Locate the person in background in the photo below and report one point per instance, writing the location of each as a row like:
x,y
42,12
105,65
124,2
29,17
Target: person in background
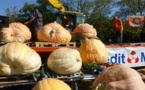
x,y
38,23
117,23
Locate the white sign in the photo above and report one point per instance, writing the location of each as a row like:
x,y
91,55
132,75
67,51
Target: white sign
x,y
129,56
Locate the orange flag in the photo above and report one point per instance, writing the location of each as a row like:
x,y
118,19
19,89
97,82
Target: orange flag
x,y
136,21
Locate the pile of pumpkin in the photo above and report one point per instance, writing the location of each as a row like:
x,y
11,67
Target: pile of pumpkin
x,y
18,59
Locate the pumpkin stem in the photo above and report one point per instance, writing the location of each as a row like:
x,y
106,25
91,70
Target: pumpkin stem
x,y
52,31
12,35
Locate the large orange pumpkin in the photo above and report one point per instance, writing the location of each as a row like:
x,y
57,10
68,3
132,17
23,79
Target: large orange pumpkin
x,y
53,32
86,30
16,32
93,49
51,84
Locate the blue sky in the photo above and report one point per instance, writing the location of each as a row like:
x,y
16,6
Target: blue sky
x,y
4,4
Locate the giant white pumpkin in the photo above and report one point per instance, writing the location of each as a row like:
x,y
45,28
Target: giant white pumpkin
x,y
18,59
64,61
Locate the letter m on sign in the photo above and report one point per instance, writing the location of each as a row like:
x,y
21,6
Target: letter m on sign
x,y
142,57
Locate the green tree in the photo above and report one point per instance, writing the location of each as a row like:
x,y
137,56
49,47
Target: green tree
x,y
130,7
91,8
12,13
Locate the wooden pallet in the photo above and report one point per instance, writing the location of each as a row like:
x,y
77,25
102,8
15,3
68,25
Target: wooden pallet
x,y
69,44
51,44
47,44
44,44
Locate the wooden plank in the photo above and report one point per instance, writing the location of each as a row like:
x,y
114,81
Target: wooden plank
x,y
6,80
67,44
9,82
44,44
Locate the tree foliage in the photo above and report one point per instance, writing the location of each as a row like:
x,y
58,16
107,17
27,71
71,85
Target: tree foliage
x,y
12,13
26,13
91,8
130,7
